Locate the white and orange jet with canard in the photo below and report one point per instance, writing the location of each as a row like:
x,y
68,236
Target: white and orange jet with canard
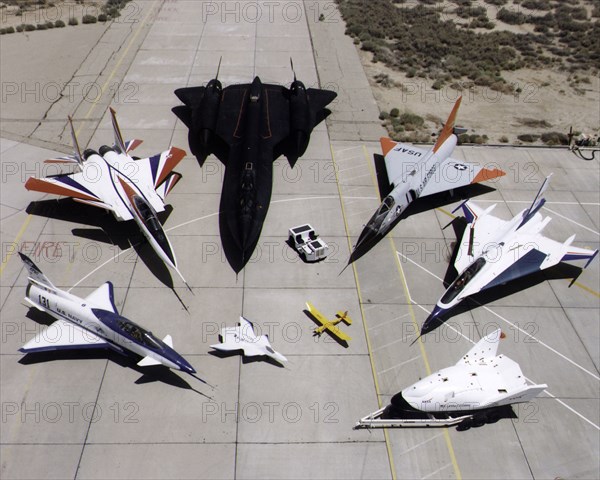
x,y
130,188
414,172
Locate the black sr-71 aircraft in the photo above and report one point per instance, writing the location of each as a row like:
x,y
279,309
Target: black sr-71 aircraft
x,y
247,127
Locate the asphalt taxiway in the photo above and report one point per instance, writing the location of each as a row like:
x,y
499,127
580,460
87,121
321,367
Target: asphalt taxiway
x,y
96,415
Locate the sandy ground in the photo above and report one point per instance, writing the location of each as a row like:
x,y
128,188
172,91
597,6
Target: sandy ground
x,y
545,95
59,10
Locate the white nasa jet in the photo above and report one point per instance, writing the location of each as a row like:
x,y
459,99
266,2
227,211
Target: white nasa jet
x,y
244,338
93,322
479,383
494,251
129,188
414,172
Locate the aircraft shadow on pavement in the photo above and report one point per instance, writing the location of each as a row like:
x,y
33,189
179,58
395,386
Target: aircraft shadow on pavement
x,y
246,360
424,204
106,229
343,343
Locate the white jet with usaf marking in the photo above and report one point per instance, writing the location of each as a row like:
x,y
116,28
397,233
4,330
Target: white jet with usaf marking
x,y
414,172
494,251
132,189
93,322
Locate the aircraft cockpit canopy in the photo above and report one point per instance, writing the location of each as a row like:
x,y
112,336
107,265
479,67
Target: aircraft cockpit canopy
x,y
386,205
460,283
147,213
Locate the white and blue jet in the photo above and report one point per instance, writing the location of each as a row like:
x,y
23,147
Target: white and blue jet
x,y
93,322
129,188
494,251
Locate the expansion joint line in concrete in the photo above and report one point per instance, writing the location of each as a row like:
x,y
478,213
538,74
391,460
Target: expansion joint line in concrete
x,y
118,64
362,314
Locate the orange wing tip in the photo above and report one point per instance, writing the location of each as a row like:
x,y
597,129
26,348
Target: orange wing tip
x,y
173,158
38,185
134,144
486,174
387,144
61,161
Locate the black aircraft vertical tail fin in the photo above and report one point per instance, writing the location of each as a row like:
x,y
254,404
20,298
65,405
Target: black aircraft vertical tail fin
x,y
383,181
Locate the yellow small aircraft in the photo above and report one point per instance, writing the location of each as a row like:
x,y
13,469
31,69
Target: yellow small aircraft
x,y
330,325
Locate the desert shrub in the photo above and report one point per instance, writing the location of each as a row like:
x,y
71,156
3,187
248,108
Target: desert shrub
x,y
528,137
49,25
29,27
512,18
89,19
2,31
383,115
102,17
41,26
555,138
497,3
394,112
20,28
73,21
537,4
503,139
59,24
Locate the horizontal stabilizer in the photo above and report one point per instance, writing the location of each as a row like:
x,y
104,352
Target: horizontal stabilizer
x,y
148,361
69,160
165,187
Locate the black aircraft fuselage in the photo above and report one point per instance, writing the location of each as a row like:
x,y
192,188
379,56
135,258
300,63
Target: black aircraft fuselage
x,y
247,127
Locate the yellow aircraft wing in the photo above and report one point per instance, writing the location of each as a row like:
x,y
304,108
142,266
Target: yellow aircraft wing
x,y
319,317
339,334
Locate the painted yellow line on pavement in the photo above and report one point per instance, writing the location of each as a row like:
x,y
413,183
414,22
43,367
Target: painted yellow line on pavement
x,y
15,243
447,438
362,313
587,289
93,106
118,64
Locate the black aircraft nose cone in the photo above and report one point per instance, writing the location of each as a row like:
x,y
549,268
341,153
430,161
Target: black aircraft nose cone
x,y
435,319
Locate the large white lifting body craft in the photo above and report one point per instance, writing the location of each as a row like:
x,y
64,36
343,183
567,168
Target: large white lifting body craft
x,y
473,390
93,322
494,251
129,188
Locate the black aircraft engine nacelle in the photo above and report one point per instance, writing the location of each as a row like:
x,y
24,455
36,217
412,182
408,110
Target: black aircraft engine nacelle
x,y
299,119
206,114
200,115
